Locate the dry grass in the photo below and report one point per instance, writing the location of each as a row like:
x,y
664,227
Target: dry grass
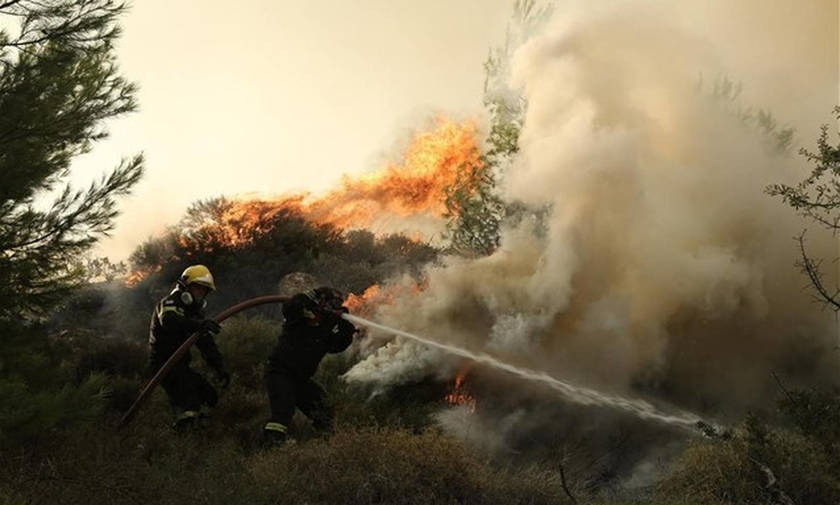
x,y
150,464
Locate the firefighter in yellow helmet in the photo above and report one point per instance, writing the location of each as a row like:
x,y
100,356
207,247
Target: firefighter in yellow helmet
x,y
175,318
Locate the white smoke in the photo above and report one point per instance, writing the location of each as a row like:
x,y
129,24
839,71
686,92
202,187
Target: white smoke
x,y
663,261
482,433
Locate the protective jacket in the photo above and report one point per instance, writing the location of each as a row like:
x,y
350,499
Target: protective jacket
x,y
302,346
173,321
311,330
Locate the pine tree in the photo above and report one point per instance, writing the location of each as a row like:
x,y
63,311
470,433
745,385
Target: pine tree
x,y
59,82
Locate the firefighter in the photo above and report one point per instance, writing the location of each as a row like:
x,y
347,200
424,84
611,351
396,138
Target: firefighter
x,y
313,328
176,317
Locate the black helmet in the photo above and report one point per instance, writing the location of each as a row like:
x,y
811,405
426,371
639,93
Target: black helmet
x,y
327,297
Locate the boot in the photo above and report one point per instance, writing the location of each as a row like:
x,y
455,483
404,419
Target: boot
x,y
274,434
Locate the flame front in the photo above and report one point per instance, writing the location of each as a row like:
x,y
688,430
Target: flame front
x,y
433,162
444,157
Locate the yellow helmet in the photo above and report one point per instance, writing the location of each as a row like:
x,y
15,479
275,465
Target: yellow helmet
x,y
197,274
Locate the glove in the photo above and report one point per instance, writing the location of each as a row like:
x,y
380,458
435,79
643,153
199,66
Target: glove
x,y
211,326
332,315
223,377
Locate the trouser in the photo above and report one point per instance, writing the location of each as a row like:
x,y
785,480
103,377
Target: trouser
x,y
285,392
188,391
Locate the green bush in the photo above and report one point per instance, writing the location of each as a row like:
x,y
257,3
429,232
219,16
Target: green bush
x,y
245,344
38,393
113,357
816,414
28,416
756,466
411,406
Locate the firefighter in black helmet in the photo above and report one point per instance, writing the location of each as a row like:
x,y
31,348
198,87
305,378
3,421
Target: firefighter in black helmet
x,y
313,328
176,317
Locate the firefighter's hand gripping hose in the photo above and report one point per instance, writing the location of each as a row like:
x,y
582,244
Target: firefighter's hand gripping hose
x,y
178,354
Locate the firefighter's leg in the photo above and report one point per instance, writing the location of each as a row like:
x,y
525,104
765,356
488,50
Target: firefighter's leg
x,y
188,391
311,402
205,391
281,397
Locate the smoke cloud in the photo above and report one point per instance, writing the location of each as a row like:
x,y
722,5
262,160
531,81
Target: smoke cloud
x,y
662,268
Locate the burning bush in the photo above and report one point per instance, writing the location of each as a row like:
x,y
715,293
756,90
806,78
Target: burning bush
x,y
281,242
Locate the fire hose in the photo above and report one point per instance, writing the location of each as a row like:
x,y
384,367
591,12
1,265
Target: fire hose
x,y
179,353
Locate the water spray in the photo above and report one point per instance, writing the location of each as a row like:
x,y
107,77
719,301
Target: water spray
x,y
574,393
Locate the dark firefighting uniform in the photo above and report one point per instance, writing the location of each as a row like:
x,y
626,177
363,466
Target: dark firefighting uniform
x,y
172,323
300,348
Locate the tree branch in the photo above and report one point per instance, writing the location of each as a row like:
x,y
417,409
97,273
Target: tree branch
x,y
8,4
812,270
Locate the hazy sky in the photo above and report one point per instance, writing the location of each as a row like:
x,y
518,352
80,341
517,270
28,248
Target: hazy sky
x,y
275,96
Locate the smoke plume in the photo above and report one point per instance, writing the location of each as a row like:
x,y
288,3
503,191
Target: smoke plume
x,y
662,268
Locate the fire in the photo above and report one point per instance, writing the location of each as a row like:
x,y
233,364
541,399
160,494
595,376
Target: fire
x,y
357,304
134,278
377,295
433,162
241,222
444,157
458,394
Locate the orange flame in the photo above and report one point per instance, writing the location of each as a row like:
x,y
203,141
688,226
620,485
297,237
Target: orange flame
x,y
433,162
376,295
446,156
358,304
242,222
135,277
458,394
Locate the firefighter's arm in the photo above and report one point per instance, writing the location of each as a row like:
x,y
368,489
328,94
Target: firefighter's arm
x,y
207,346
341,332
209,351
293,309
173,317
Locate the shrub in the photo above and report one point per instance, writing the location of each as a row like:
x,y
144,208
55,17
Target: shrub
x,y
757,465
392,466
245,344
150,464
